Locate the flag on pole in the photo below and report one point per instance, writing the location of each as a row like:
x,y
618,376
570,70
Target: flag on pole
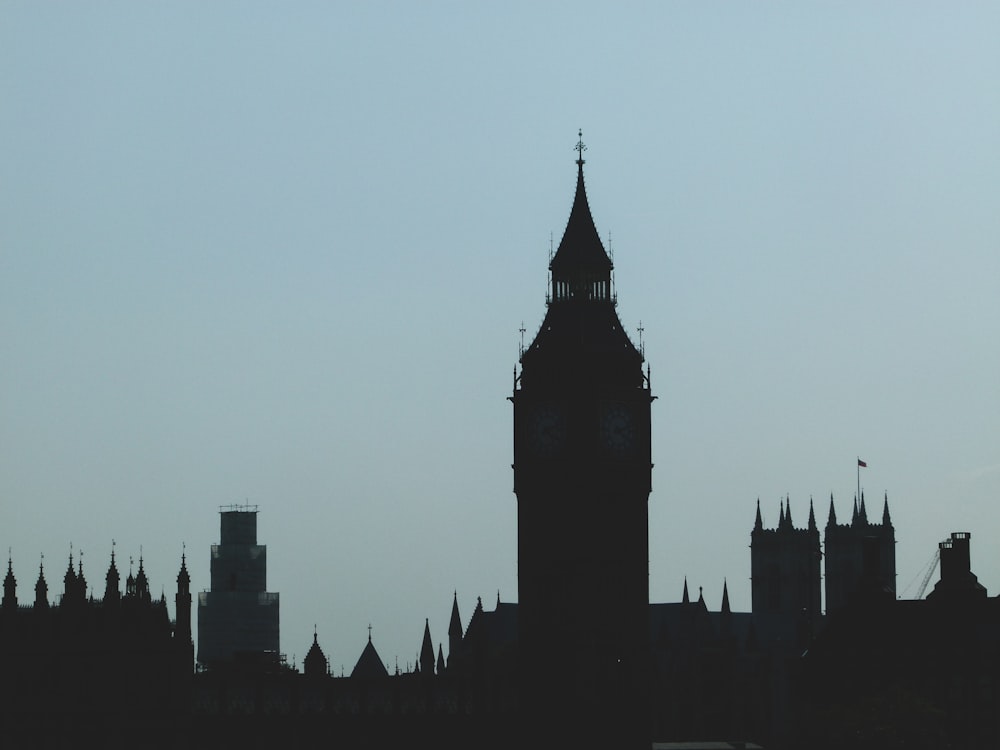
x,y
862,464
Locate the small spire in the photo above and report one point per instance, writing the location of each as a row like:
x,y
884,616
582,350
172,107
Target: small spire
x,y
886,521
759,523
41,587
686,599
862,513
9,584
854,515
832,518
812,516
788,512
725,598
455,623
701,596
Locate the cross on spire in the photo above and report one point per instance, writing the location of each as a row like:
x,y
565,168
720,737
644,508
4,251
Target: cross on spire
x,y
580,148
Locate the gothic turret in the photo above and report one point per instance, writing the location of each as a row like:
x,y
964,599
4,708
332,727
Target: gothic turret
x,y
454,630
9,586
112,594
142,584
427,651
182,604
41,588
315,663
69,581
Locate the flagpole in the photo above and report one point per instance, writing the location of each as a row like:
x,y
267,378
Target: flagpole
x,y
861,464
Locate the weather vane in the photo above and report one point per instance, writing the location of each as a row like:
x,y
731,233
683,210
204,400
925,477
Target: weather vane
x,y
580,148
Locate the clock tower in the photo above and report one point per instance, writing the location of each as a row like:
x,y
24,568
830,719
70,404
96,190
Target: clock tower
x,y
582,473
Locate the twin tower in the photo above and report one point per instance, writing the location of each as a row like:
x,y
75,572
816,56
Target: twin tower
x,y
858,557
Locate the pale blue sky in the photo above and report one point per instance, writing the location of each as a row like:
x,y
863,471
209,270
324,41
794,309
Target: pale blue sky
x,y
279,254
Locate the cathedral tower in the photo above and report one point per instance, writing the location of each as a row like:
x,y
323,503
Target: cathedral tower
x,y
846,546
582,474
785,575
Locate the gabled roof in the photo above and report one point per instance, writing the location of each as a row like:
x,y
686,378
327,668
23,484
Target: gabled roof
x,y
369,666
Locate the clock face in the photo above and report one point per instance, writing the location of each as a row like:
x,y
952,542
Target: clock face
x,y
617,429
547,431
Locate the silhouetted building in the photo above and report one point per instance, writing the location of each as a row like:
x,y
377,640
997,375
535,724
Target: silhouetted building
x,y
238,618
846,546
85,669
582,473
785,578
906,673
584,660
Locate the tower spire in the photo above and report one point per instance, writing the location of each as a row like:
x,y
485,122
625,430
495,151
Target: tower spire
x,y
9,584
580,268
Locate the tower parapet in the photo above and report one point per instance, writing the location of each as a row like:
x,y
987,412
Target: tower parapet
x,y
785,568
857,550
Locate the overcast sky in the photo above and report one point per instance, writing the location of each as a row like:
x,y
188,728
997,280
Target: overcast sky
x,y
279,254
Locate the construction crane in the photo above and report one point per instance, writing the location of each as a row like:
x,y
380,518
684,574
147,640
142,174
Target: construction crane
x,y
930,571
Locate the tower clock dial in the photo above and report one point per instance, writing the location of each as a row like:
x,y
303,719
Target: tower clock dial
x,y
617,429
547,431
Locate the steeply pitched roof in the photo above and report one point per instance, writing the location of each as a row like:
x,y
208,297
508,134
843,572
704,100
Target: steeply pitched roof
x,y
369,666
581,246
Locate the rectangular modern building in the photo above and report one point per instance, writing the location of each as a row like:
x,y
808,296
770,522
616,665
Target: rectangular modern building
x,y
238,618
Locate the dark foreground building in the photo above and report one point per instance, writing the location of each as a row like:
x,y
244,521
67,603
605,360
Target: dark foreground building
x,y
582,475
583,660
87,670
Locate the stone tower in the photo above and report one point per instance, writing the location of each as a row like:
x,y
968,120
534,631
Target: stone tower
x,y
785,576
582,474
238,618
851,549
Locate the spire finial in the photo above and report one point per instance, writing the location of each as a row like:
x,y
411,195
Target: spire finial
x,y
580,148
